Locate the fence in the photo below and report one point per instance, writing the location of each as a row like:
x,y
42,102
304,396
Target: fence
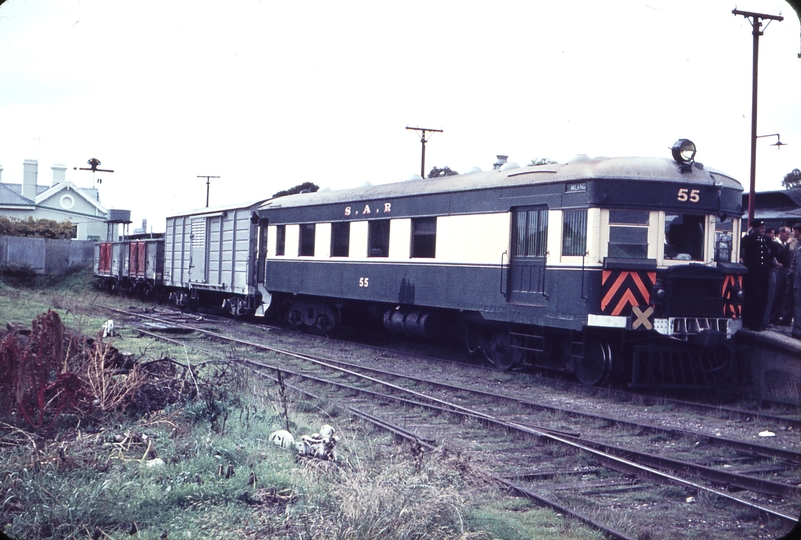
x,y
44,256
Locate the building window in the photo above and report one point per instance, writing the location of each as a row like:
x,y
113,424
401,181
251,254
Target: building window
x,y
306,241
574,233
340,239
280,240
684,237
628,234
530,232
378,238
68,202
424,237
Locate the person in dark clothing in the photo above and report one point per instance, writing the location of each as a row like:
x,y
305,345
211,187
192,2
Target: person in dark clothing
x,y
757,255
781,314
797,291
789,297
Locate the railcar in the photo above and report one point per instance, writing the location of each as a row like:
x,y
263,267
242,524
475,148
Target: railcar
x,y
209,258
134,264
595,266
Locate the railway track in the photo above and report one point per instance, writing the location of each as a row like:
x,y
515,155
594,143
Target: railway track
x,y
600,468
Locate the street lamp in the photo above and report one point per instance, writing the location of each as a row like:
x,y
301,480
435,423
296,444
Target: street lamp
x,y
756,24
778,142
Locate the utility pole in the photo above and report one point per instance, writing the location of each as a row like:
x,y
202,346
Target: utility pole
x,y
208,182
756,23
423,141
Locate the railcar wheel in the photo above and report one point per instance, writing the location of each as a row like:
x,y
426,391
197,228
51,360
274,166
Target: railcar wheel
x,y
295,320
595,366
501,353
327,323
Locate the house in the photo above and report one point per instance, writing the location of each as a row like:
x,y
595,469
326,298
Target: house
x,y
61,201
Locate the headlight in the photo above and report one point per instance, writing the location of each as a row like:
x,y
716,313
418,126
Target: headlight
x,y
658,293
683,151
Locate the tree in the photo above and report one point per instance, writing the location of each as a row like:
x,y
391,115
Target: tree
x,y
445,171
541,161
306,187
792,179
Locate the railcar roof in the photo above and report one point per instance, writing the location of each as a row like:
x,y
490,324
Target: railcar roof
x,y
218,209
641,169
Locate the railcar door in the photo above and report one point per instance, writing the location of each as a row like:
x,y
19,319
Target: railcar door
x,y
261,257
197,263
526,284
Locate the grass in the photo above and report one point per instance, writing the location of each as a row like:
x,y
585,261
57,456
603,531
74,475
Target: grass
x,y
85,479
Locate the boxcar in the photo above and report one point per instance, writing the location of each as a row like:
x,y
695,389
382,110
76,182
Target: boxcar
x,y
133,265
209,258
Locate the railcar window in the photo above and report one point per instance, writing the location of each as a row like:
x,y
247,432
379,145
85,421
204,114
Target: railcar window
x,y
424,237
628,234
574,232
530,232
306,247
378,238
340,239
723,239
684,237
280,240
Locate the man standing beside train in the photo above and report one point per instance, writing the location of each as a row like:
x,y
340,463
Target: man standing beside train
x,y
757,256
794,277
797,290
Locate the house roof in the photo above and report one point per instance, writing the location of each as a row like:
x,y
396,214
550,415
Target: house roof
x,y
10,197
69,186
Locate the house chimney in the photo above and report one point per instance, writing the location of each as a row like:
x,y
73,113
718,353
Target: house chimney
x,y
30,171
144,225
59,174
1,173
499,162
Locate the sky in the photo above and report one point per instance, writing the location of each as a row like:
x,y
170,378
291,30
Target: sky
x,y
270,94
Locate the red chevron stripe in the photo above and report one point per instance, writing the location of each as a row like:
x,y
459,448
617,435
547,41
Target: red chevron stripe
x,y
612,290
627,299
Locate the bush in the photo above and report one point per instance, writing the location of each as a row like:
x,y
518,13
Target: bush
x,y
45,228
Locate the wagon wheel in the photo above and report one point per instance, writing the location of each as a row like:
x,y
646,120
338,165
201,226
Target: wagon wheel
x,y
596,364
239,308
501,353
144,290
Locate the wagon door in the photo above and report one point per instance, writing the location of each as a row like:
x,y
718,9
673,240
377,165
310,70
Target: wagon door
x,y
197,263
526,283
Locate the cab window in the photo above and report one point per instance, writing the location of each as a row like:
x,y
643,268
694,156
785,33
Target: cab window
x,y
724,238
684,237
628,234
